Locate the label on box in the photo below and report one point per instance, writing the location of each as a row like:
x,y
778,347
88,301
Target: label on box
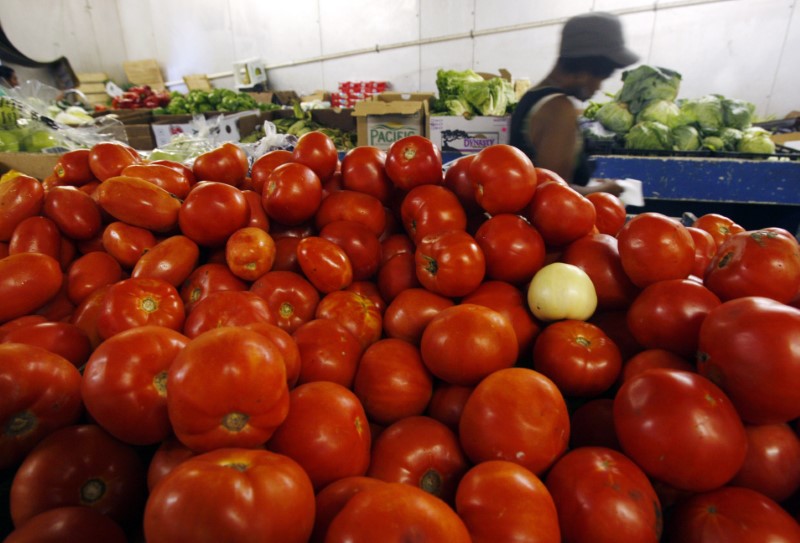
x,y
457,134
226,130
384,130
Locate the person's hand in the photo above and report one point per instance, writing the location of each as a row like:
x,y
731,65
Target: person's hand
x,y
611,186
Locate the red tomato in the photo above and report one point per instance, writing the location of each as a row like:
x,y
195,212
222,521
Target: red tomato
x,y
317,151
397,275
719,226
271,491
27,281
41,393
258,217
363,171
704,250
226,164
90,272
20,322
464,343
139,301
226,308
177,166
172,180
610,212
292,300
749,347
668,314
287,346
450,263
431,209
654,247
502,501
515,414
86,313
560,214
328,352
359,243
391,382
331,499
349,205
124,383
204,280
169,454
578,357
250,253
171,260
734,515
653,358
61,338
127,243
20,197
80,465
286,254
325,264
356,313
447,403
369,290
756,263
514,249
680,428
410,312
212,212
330,416
396,512
265,164
503,178
139,203
64,524
592,425
36,235
292,194
456,178
772,464
240,406
73,168
413,161
603,497
107,159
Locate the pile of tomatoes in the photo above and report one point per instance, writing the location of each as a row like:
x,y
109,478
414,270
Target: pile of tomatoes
x,y
372,348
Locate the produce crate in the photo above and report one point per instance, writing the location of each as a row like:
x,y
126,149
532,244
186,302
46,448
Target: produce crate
x,y
144,72
93,86
462,135
140,136
38,165
391,116
197,82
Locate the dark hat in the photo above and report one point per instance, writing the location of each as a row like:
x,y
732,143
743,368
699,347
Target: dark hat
x,y
596,34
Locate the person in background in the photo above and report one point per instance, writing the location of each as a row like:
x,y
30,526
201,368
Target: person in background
x,y
8,77
545,122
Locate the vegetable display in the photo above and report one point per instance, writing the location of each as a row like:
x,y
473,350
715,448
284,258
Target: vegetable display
x,y
297,350
467,93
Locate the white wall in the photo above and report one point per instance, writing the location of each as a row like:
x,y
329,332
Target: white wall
x,y
741,48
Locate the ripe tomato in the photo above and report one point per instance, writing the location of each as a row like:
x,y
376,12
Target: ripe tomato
x,y
73,168
391,381
397,275
369,290
514,249
61,338
80,465
127,243
325,264
240,406
503,178
456,178
450,263
75,212
36,235
20,197
413,161
212,212
668,314
772,464
349,205
138,203
578,357
204,280
653,358
602,496
704,250
265,164
27,281
654,247
226,308
41,393
172,180
71,523
515,414
317,151
226,164
331,499
171,260
610,212
107,159
292,194
185,170
410,311
292,300
124,383
560,214
166,458
447,403
90,272
356,313
139,301
748,346
258,217
330,416
359,243
719,226
561,291
396,512
328,352
363,171
250,253
271,491
680,428
756,263
464,343
502,501
285,344
431,209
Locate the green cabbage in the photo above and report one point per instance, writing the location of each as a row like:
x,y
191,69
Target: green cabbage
x,y
615,116
715,143
756,140
685,138
467,93
490,97
731,137
650,136
705,113
647,83
664,111
738,113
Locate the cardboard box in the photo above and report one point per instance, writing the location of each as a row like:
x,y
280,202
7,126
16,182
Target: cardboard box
x,y
140,136
339,118
263,97
285,98
38,165
391,116
144,72
461,135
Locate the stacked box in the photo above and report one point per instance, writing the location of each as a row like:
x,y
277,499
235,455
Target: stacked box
x,y
351,92
93,86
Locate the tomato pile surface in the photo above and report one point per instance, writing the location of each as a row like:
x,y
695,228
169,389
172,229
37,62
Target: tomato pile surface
x,y
378,349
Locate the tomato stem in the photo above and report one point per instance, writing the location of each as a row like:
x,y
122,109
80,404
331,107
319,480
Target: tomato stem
x,y
92,490
20,424
431,482
286,310
160,383
432,266
235,422
149,304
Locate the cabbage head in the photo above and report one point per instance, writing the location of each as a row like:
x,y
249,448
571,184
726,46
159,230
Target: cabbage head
x,y
647,83
705,113
715,143
650,136
685,138
756,140
738,113
731,137
664,111
615,116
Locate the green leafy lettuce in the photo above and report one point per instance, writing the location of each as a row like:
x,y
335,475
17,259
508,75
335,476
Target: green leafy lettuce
x,y
738,113
685,138
467,93
664,111
615,116
647,83
756,140
650,136
705,113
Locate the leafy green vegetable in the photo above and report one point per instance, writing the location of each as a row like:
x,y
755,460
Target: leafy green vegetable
x,y
731,137
488,97
646,83
590,112
756,140
467,93
650,136
615,116
737,113
705,113
715,143
685,138
664,111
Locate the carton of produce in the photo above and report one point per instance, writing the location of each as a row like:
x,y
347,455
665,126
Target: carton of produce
x,y
391,116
